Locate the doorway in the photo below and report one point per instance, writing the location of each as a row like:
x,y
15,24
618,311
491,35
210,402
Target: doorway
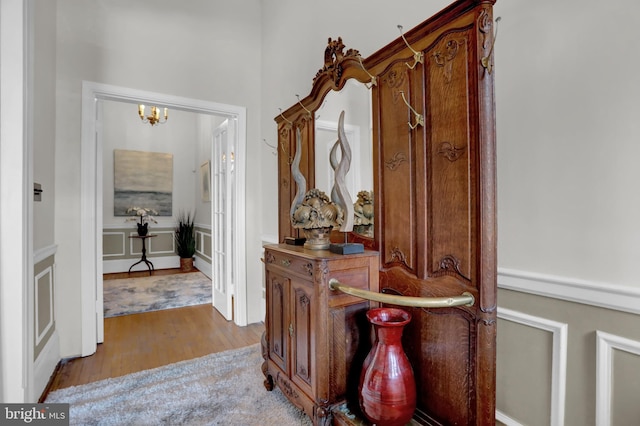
x,y
91,196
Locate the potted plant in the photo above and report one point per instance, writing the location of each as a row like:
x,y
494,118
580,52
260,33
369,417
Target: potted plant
x,y
185,238
143,217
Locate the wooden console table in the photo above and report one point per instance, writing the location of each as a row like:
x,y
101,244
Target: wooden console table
x,y
316,339
144,252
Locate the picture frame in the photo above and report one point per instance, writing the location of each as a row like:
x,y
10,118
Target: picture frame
x,y
205,181
143,179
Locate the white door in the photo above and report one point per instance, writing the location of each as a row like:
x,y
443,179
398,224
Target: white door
x,y
223,220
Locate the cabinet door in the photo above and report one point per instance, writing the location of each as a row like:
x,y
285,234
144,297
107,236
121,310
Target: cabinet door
x,y
303,329
278,324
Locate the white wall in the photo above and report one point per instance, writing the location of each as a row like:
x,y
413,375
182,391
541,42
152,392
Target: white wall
x,y
43,106
568,130
122,129
196,49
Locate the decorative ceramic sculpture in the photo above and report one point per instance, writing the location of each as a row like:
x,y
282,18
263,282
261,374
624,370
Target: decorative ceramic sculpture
x,y
316,216
313,212
363,214
298,177
340,193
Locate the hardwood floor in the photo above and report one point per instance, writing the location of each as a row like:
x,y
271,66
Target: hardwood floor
x,y
152,339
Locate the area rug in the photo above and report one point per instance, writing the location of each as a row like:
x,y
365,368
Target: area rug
x,y
218,389
134,295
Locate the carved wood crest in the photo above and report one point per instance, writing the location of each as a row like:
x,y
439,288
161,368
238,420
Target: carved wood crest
x,y
333,57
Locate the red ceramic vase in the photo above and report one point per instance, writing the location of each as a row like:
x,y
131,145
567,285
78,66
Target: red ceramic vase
x,y
387,386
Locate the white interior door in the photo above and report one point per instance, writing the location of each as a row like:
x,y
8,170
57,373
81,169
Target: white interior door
x,y
223,220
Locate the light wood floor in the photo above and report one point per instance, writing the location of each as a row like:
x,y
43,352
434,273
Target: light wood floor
x,y
152,339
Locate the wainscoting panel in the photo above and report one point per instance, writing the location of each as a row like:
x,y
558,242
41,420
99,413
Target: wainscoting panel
x,y
541,367
162,243
44,303
617,394
203,244
203,250
46,344
119,251
589,361
113,244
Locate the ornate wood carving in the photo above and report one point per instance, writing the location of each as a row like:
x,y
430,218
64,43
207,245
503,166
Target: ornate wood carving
x,y
333,57
269,257
285,385
450,151
444,57
485,27
397,159
321,271
396,77
398,256
449,265
308,267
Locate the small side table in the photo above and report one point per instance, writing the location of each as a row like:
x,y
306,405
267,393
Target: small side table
x,y
144,252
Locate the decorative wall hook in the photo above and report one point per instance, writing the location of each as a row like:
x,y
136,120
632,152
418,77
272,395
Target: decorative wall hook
x,y
419,117
303,107
285,118
324,102
486,61
374,80
274,148
285,152
418,57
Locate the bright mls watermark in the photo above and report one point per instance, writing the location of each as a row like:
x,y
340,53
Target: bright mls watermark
x,y
34,414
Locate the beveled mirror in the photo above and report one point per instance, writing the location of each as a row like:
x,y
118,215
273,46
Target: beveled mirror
x,y
355,100
340,85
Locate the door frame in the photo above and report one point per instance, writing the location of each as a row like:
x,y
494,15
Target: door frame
x,y
91,196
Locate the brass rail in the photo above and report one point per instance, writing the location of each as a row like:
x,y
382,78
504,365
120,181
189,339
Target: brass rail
x,y
465,299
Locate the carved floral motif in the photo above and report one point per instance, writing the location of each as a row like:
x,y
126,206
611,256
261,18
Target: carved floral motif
x,y
397,159
448,265
269,257
302,371
322,269
398,255
304,301
444,57
395,78
450,151
308,268
285,387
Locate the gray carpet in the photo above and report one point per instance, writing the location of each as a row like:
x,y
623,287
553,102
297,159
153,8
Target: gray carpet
x,y
134,295
219,389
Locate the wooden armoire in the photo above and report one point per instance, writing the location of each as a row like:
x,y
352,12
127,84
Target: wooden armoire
x,y
434,233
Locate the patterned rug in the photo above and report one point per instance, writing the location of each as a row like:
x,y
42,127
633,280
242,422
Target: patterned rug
x,y
134,295
223,389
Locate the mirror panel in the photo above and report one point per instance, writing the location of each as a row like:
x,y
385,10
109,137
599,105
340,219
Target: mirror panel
x,y
355,100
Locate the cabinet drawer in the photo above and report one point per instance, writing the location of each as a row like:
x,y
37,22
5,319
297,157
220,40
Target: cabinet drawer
x,y
297,265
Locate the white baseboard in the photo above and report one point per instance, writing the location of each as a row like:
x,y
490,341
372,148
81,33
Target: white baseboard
x,y
609,296
503,418
204,267
45,365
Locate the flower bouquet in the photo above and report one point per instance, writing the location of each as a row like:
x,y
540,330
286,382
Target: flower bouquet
x,y
143,217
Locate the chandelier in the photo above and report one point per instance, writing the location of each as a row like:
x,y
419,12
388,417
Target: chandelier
x,y
154,118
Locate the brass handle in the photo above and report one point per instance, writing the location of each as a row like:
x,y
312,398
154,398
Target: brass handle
x,y
291,330
286,263
466,299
